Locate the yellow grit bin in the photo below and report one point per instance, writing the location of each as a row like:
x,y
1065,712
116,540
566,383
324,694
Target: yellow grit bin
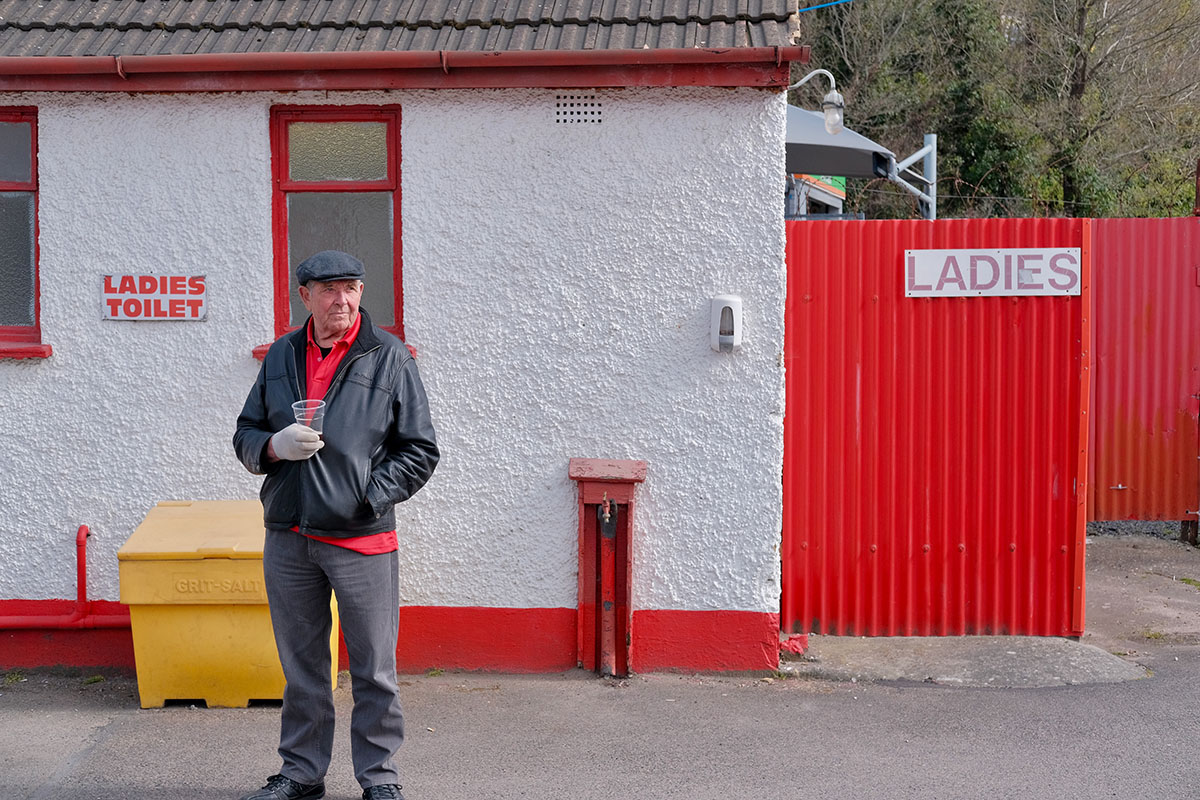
x,y
192,577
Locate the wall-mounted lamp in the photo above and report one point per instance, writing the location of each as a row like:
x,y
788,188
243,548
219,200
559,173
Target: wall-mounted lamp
x,y
834,105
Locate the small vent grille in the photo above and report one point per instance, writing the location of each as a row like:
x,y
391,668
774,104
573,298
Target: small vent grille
x,y
572,108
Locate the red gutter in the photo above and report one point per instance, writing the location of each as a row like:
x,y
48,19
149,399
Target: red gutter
x,y
81,617
743,66
408,59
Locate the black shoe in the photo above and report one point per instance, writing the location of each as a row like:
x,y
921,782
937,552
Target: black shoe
x,y
385,791
280,788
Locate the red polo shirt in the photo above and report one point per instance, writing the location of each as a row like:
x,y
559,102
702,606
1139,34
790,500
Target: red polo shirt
x,y
319,372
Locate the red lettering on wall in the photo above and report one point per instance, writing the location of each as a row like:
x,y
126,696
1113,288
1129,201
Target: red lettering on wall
x,y
148,297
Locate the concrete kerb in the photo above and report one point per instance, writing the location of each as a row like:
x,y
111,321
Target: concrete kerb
x,y
977,661
1143,603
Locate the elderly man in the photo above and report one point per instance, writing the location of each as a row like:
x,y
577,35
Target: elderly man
x,y
329,510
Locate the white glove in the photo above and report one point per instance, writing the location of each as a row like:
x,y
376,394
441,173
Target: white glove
x,y
296,442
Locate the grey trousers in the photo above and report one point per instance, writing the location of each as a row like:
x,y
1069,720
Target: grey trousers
x,y
300,572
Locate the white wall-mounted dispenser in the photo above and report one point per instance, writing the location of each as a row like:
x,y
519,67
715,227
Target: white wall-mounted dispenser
x,y
726,323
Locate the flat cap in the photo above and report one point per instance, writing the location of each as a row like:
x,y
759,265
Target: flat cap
x,y
329,265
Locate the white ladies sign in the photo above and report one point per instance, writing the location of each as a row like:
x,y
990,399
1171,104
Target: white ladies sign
x,y
1036,271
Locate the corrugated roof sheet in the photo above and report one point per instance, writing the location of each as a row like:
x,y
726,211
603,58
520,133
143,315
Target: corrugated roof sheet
x,y
152,27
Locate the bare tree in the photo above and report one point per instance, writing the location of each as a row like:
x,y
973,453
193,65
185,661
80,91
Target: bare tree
x,y
1078,107
1105,81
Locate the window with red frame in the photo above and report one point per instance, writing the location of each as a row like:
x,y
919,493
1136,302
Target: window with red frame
x,y
337,187
20,331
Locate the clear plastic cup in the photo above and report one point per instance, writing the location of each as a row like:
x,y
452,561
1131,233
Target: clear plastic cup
x,y
310,413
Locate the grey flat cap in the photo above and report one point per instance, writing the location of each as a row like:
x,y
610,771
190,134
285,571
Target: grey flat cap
x,y
329,265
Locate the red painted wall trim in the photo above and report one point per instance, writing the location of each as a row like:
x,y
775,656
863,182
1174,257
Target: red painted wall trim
x,y
104,648
488,639
51,608
767,67
283,187
25,341
84,647
10,350
705,641
513,640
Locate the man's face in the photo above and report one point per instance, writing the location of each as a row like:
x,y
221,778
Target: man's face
x,y
334,306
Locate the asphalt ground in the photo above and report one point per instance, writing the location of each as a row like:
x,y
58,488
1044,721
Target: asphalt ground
x,y
1114,715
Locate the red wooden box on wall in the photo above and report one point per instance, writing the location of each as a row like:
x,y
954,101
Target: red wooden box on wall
x,y
606,512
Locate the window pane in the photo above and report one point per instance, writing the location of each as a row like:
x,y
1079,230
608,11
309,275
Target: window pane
x,y
16,151
16,258
337,151
358,223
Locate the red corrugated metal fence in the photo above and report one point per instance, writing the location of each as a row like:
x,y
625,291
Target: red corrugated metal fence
x,y
1146,437
935,448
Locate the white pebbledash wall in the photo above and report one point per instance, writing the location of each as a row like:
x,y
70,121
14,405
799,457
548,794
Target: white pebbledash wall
x,y
557,280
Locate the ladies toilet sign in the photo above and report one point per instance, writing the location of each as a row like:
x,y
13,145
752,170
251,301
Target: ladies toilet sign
x,y
1029,271
153,297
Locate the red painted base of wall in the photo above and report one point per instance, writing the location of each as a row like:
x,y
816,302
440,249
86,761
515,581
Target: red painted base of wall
x,y
514,640
105,648
705,641
545,640
110,648
489,639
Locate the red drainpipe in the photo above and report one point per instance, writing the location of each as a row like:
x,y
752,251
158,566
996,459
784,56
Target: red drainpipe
x,y
81,617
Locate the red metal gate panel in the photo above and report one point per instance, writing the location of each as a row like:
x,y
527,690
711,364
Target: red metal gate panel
x,y
1146,438
935,448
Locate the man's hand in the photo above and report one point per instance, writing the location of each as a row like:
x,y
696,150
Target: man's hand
x,y
296,442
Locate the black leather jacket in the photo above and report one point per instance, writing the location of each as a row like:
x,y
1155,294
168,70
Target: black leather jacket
x,y
379,441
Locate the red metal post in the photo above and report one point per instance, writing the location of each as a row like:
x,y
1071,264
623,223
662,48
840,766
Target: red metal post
x,y
1082,493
